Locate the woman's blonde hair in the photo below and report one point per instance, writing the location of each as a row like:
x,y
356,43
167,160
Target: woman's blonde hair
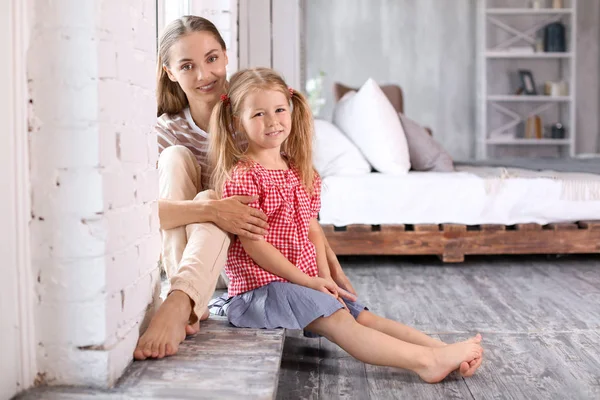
x,y
170,97
227,147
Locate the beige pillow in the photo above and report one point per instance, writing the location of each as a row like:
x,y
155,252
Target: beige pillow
x,y
425,153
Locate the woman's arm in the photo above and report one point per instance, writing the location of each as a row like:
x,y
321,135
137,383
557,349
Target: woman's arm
x,y
270,259
230,214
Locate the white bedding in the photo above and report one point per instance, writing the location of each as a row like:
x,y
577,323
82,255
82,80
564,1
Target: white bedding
x,y
472,196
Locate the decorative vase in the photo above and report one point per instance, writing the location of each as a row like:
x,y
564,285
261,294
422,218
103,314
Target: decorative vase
x,y
554,38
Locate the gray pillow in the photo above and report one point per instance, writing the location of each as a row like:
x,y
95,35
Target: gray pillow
x,y
425,153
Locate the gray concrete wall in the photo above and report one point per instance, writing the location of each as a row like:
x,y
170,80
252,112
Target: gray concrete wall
x,y
429,48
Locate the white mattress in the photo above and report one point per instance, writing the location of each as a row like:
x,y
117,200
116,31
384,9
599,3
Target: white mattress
x,y
472,196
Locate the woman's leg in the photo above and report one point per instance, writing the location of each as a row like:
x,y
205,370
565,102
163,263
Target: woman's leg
x,y
193,257
374,347
201,263
179,179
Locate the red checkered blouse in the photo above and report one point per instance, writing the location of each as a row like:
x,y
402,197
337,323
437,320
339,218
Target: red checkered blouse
x,y
289,209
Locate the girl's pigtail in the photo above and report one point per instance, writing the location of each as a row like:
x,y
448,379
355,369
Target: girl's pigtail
x,y
299,144
223,149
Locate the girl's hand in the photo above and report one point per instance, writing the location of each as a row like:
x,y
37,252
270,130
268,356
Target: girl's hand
x,y
323,285
327,285
343,282
234,216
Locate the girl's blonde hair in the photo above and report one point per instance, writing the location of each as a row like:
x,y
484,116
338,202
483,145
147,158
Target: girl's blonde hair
x,y
170,97
227,147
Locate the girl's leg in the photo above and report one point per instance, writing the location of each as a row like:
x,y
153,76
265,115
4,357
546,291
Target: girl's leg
x,y
397,330
414,336
374,347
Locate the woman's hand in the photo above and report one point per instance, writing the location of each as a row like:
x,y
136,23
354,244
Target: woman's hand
x,y
233,215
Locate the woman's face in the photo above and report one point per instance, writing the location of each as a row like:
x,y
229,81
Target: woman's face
x,y
198,63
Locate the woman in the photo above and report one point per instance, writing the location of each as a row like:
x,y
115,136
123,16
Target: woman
x,y
192,63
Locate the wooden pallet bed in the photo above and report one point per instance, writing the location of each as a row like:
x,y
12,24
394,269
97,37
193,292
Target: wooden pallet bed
x,y
452,242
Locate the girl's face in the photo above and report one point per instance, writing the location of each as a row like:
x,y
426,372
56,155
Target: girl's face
x,y
266,119
198,63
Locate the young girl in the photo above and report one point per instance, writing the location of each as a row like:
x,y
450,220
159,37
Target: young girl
x,y
260,145
191,77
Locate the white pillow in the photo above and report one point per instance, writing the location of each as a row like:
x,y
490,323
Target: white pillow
x,y
335,154
370,121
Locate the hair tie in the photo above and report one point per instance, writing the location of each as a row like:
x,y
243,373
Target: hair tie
x,y
291,91
225,99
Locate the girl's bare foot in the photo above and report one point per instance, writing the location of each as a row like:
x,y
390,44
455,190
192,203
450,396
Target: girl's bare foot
x,y
468,369
444,360
195,328
167,328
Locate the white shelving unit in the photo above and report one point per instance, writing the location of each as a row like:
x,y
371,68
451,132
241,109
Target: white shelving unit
x,y
503,24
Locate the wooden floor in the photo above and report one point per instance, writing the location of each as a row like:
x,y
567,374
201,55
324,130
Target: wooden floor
x,y
220,362
539,317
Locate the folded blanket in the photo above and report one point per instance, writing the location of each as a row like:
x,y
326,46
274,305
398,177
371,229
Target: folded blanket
x,y
575,186
584,165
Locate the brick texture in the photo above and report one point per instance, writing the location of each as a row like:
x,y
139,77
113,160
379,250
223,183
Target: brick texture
x,y
94,225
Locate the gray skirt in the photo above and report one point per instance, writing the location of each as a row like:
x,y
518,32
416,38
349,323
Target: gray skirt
x,y
284,305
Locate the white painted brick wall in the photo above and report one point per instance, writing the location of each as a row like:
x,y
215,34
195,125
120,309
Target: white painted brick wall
x,y
94,226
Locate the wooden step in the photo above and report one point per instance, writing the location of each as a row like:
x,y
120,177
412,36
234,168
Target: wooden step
x,y
220,362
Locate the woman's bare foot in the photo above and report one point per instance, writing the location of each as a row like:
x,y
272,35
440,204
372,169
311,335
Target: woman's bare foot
x,y
195,328
447,359
167,328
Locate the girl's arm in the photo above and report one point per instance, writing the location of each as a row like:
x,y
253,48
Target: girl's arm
x,y
231,214
326,256
270,259
335,268
315,235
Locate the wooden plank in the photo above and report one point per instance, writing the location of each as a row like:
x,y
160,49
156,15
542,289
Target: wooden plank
x,y
492,227
454,242
380,243
562,226
340,374
359,228
426,228
393,228
220,362
255,33
299,375
592,225
392,383
529,227
454,228
531,242
286,30
328,229
451,257
553,365
251,358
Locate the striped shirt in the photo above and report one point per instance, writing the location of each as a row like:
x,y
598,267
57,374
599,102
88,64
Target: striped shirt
x,y
180,129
